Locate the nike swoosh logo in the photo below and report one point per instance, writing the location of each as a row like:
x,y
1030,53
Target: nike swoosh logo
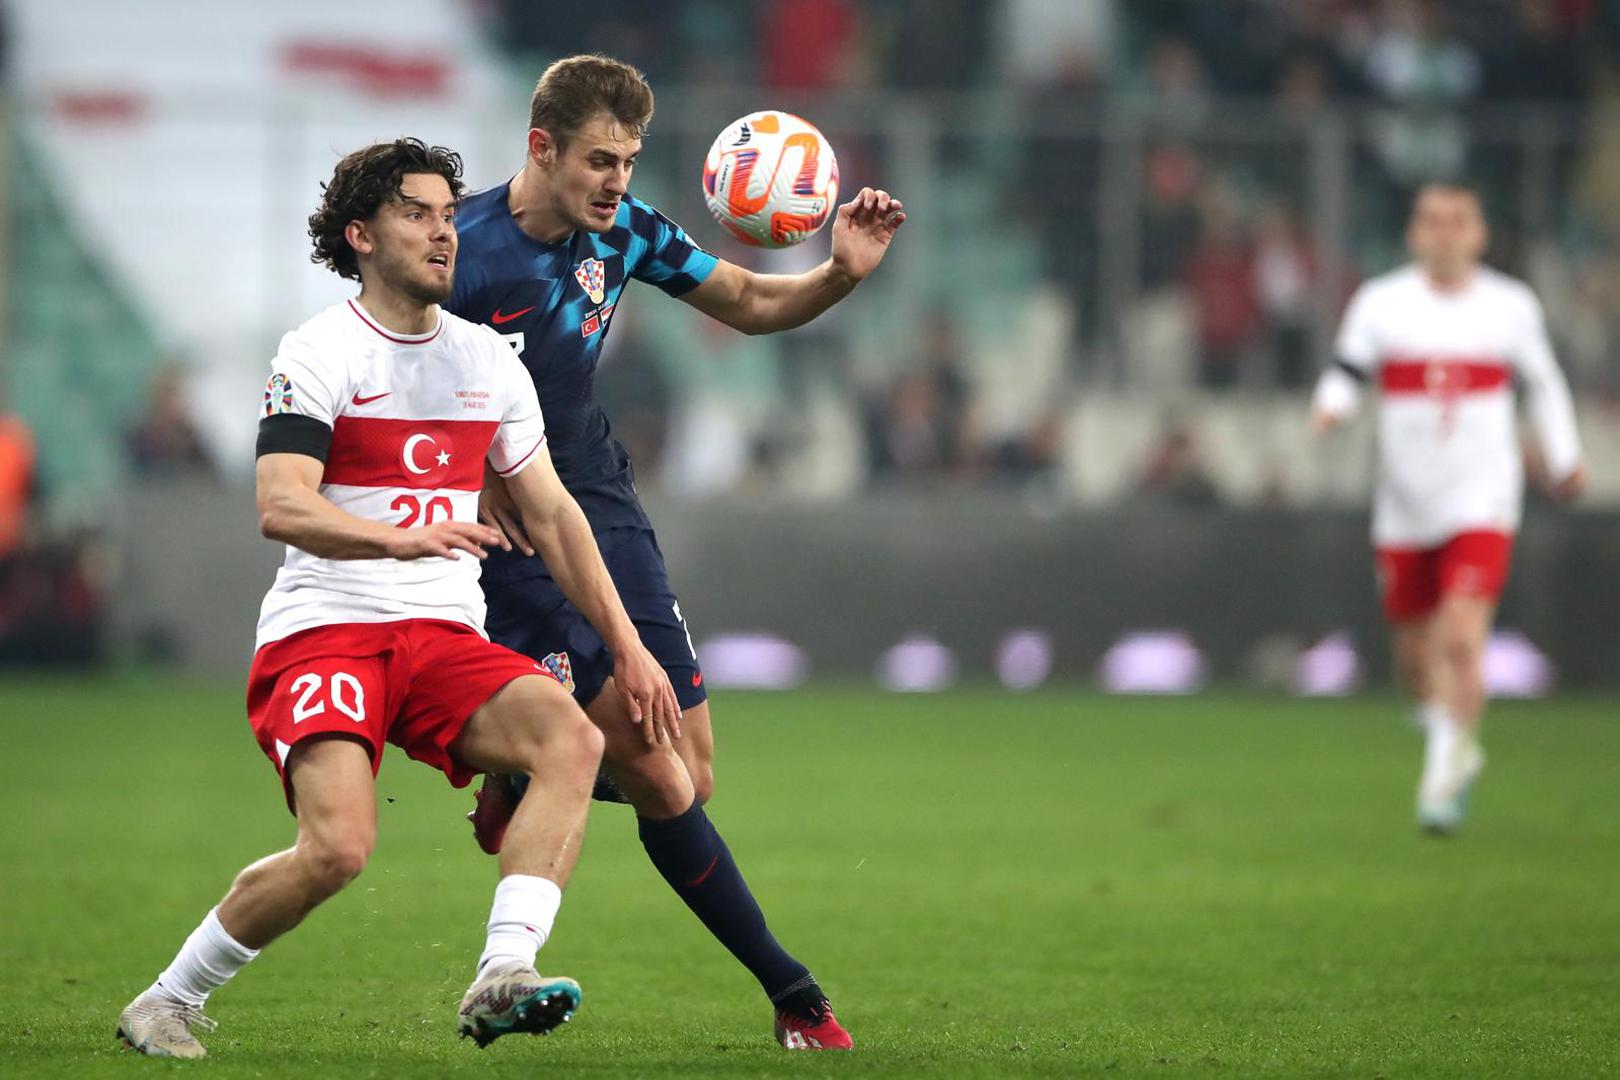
x,y
358,400
701,878
498,318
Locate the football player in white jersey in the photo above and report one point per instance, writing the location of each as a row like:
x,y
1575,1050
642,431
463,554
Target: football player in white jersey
x,y
378,418
1446,338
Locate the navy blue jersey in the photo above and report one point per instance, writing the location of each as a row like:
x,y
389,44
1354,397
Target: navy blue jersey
x,y
554,302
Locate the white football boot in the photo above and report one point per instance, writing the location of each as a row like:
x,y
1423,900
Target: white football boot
x,y
1442,797
509,998
161,1027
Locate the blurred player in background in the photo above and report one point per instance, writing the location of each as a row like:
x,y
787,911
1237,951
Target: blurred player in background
x,y
545,257
379,416
1445,339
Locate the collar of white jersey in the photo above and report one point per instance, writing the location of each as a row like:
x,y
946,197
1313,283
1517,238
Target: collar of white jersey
x,y
397,339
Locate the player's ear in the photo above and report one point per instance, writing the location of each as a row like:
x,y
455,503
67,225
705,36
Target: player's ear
x,y
359,237
542,148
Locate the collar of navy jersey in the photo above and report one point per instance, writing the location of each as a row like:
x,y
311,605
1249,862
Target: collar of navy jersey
x,y
567,245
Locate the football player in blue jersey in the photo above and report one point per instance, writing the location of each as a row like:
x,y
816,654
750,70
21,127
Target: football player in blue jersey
x,y
544,258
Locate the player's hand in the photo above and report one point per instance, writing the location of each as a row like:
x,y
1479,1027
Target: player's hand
x,y
648,696
497,509
443,540
1324,423
1570,487
863,229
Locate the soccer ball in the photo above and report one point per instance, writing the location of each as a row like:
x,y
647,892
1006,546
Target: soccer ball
x,y
771,179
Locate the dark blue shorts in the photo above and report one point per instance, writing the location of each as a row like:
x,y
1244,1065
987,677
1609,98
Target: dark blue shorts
x,y
532,616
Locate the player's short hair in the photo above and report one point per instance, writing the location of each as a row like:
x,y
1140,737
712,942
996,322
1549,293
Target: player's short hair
x,y
361,183
1449,187
577,88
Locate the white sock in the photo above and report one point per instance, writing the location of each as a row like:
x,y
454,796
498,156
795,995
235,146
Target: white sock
x,y
205,962
1439,749
1429,713
520,919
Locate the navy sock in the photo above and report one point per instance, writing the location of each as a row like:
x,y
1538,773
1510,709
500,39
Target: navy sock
x,y
695,861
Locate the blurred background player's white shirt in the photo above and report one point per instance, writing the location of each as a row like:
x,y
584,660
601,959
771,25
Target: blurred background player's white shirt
x,y
412,420
1446,363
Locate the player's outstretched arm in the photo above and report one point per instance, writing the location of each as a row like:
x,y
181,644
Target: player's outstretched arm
x,y
293,511
1551,408
1337,397
765,303
559,533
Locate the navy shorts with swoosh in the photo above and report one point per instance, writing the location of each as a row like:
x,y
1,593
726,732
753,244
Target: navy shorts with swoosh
x,y
528,613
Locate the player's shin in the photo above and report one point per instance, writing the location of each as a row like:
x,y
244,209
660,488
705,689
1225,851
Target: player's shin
x,y
208,959
1441,735
520,920
689,853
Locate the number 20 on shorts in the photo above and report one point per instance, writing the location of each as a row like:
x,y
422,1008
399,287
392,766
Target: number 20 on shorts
x,y
344,692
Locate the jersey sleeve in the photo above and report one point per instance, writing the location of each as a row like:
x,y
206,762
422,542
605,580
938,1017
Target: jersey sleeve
x,y
301,400
523,429
1357,343
1552,412
663,255
301,384
1355,354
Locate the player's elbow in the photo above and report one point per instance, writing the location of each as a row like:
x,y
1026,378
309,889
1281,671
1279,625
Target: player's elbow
x,y
744,319
274,518
754,325
270,523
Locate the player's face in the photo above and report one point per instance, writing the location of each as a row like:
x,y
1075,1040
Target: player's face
x,y
1447,233
414,239
591,174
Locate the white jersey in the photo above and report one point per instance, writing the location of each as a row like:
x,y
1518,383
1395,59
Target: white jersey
x,y
1446,362
412,419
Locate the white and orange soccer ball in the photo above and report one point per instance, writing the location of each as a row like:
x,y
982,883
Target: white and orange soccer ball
x,y
771,179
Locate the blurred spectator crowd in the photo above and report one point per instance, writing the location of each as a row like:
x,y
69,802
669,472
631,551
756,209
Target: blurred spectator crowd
x,y
1168,200
1261,155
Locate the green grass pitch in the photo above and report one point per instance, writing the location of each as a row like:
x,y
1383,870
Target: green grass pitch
x,y
989,885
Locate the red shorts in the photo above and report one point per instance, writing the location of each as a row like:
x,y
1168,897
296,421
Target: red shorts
x,y
1470,564
413,683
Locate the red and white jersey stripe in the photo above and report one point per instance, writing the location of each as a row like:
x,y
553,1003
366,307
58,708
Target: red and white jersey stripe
x,y
1446,363
413,419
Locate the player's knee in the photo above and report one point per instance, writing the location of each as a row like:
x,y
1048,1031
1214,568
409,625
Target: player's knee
x,y
569,743
335,861
654,781
1461,651
702,782
588,742
1415,674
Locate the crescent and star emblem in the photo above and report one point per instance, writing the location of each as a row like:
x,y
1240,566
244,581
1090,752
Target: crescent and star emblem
x,y
409,454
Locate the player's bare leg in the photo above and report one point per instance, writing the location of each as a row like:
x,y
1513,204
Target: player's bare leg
x,y
1419,665
651,775
335,797
532,728
668,787
1463,624
336,803
696,748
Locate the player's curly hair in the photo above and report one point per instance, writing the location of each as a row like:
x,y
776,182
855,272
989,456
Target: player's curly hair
x,y
361,183
576,88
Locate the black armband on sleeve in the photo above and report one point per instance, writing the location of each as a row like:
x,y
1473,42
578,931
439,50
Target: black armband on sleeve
x,y
289,433
1358,374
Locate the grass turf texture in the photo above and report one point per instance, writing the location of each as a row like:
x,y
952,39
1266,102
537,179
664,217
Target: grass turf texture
x,y
988,885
